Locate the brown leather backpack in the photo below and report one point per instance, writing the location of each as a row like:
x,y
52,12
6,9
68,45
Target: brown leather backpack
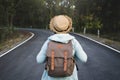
x,y
60,61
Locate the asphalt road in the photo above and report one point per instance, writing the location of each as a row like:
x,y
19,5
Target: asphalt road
x,y
20,64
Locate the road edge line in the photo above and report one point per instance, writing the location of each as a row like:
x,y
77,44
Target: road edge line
x,y
98,42
18,45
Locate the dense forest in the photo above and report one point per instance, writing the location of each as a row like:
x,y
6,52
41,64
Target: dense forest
x,y
89,15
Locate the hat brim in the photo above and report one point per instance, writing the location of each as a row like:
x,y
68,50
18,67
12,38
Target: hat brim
x,y
64,31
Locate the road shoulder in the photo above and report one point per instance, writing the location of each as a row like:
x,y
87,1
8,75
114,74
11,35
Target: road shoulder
x,y
17,44
114,45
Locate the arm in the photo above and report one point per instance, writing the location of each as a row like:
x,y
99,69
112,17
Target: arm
x,y
42,53
79,52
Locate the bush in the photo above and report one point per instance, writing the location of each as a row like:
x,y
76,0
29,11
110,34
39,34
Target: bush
x,y
5,33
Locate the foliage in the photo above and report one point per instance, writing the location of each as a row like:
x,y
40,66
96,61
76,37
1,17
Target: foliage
x,y
92,14
5,33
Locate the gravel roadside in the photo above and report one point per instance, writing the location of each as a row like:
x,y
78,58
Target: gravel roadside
x,y
14,42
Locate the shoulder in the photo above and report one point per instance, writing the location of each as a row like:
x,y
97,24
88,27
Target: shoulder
x,y
45,44
75,41
76,44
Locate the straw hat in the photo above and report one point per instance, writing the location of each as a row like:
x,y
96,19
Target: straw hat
x,y
61,24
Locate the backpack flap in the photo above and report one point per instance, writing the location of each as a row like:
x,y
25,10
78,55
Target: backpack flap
x,y
60,61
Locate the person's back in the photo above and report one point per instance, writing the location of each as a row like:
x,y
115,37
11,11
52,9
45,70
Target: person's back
x,y
61,25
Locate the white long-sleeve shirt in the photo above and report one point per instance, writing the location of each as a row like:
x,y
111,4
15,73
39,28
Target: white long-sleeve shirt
x,y
78,53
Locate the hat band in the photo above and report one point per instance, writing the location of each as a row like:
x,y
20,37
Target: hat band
x,y
61,30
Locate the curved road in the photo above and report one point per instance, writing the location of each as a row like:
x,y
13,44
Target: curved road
x,y
20,64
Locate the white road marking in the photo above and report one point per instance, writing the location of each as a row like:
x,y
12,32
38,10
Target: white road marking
x,y
99,42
